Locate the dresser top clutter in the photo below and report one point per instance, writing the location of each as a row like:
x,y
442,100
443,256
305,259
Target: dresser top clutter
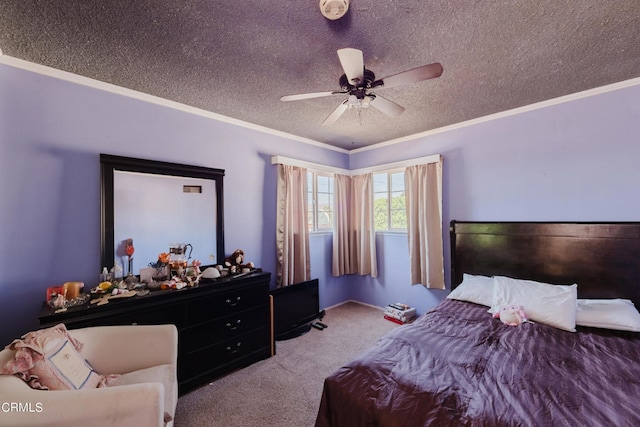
x,y
161,223
223,325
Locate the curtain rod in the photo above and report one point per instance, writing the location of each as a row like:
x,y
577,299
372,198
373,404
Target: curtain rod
x,y
309,165
435,158
378,168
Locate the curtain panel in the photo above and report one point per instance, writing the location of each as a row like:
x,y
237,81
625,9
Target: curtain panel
x,y
354,239
423,193
344,255
292,232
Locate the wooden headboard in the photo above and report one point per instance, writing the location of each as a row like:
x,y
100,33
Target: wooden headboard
x,y
602,258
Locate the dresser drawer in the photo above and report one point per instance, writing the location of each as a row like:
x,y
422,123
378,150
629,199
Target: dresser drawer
x,y
227,303
214,356
173,314
222,325
205,334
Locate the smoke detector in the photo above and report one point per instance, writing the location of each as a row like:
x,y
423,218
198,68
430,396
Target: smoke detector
x,y
334,9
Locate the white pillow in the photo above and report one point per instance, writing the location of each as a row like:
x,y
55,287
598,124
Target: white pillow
x,y
477,289
618,314
554,305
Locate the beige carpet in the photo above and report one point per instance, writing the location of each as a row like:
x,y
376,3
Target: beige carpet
x,y
285,390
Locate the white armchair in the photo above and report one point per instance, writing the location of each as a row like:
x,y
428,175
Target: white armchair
x,y
145,395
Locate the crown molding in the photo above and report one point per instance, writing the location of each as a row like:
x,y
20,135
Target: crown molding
x,y
108,87
531,107
130,93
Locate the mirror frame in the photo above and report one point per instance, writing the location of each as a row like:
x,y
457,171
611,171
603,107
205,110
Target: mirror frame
x,y
109,164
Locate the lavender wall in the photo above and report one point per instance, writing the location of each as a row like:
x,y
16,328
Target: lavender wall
x,y
333,290
51,134
576,161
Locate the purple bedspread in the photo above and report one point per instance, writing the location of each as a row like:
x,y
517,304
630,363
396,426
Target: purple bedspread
x,y
457,366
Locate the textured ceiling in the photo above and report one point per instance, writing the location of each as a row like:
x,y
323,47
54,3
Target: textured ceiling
x,y
238,57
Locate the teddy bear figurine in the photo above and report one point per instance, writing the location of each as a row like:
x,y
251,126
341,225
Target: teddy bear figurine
x,y
512,315
235,262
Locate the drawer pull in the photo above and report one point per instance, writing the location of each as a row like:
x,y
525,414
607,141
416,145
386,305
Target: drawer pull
x,y
234,350
233,304
233,327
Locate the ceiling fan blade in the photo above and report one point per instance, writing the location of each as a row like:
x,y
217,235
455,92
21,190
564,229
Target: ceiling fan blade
x,y
335,114
414,75
352,61
389,108
308,95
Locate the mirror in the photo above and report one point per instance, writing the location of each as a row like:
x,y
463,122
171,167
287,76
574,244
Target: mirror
x,y
154,205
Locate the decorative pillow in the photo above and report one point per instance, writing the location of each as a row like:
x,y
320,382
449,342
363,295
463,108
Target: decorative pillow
x,y
617,314
476,289
49,359
554,305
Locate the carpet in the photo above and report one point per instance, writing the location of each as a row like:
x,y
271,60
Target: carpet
x,y
285,390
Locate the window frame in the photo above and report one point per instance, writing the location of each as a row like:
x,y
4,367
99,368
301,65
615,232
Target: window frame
x,y
389,191
314,200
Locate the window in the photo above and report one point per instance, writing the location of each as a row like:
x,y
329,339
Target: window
x,y
388,201
320,200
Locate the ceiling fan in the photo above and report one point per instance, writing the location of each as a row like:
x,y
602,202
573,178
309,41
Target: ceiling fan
x,y
357,82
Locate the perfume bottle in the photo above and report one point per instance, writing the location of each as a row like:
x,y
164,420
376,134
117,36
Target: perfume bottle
x,y
105,276
179,258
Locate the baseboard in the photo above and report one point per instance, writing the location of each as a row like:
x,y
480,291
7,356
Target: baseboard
x,y
356,302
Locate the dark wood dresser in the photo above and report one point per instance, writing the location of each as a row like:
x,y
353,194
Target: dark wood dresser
x,y
222,325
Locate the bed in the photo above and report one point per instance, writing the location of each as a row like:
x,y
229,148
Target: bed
x,y
456,365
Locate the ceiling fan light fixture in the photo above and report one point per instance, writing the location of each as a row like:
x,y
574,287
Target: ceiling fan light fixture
x,y
357,81
334,9
359,103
